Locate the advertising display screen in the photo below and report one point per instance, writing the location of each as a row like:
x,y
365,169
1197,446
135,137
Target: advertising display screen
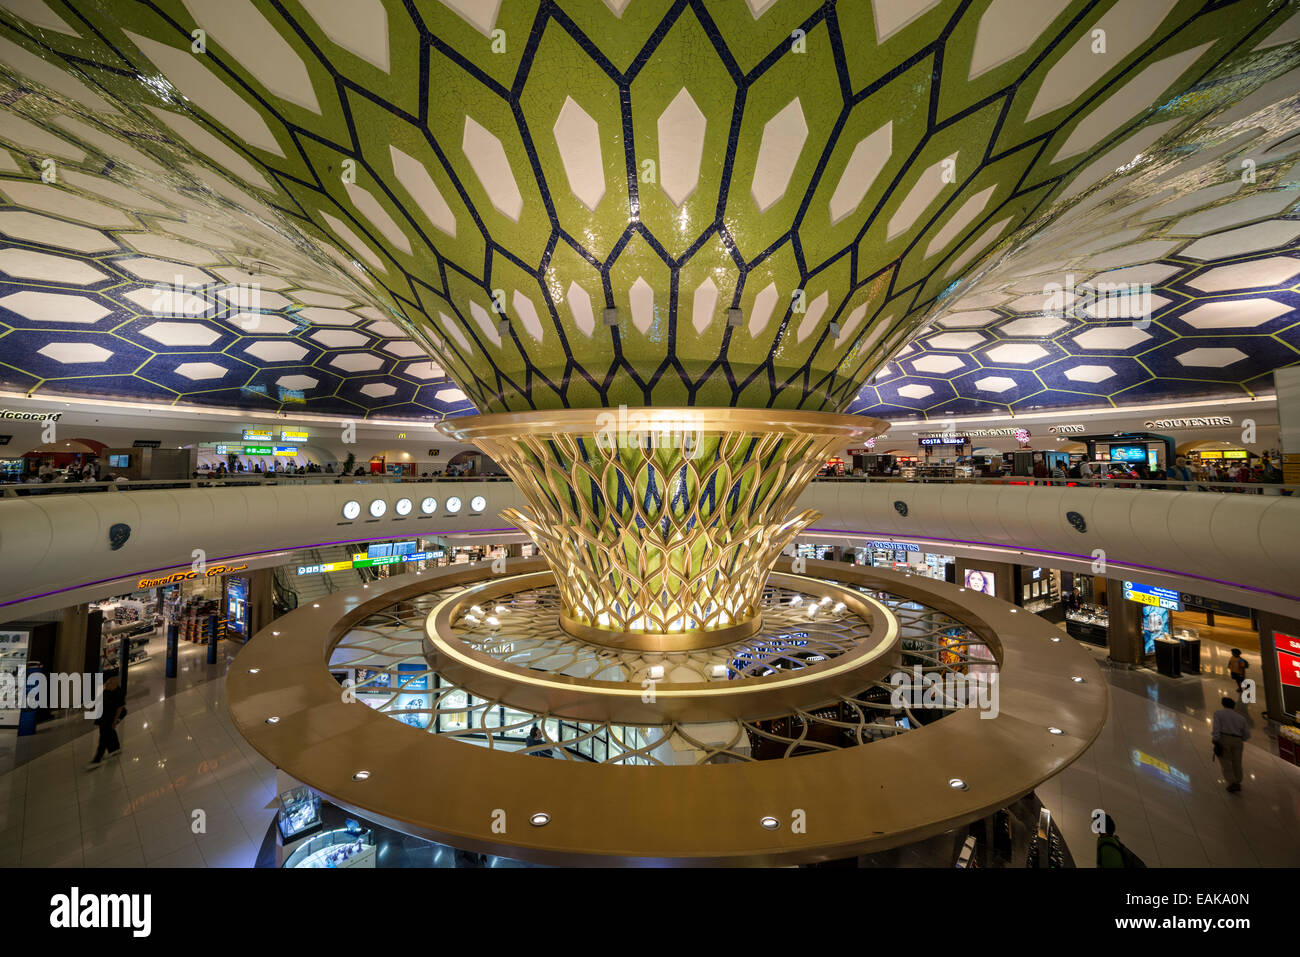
x,y
980,581
1155,624
13,664
119,461
1128,453
237,605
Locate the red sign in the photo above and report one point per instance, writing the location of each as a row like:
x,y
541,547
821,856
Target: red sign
x,y
1289,643
1288,669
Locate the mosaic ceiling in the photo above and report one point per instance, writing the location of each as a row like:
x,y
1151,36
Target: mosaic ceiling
x,y
382,208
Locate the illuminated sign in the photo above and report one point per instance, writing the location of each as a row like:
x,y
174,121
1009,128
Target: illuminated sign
x,y
286,451
30,416
1153,595
1288,670
288,436
892,546
1065,429
257,434
257,450
981,433
1236,454
1208,421
212,572
360,561
945,440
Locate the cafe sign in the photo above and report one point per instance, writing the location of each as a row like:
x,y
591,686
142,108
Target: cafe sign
x,y
30,416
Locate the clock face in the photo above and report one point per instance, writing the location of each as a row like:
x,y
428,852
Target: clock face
x,y
378,507
477,503
403,506
453,504
351,510
429,505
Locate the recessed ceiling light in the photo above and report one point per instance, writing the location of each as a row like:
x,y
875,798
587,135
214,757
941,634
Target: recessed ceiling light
x,y
253,671
957,784
540,819
1076,679
361,776
1055,731
769,823
274,719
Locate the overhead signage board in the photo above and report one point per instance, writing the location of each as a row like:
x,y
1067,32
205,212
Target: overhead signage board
x,y
257,435
288,435
945,440
147,444
1288,670
257,450
363,562
30,416
1153,595
885,546
1203,422
285,451
1012,432
212,571
1066,429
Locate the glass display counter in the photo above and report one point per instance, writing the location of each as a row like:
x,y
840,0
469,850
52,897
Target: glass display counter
x,y
299,813
345,847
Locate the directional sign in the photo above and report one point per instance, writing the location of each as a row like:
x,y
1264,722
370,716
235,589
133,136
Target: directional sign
x,y
1152,595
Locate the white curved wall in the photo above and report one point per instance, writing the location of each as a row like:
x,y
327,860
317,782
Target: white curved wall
x,y
1242,548
49,543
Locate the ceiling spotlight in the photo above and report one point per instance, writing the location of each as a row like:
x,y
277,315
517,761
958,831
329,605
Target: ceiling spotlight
x,y
1055,731
253,671
361,776
540,819
769,823
957,784
656,672
275,633
274,719
1076,679
1055,638
315,605
718,671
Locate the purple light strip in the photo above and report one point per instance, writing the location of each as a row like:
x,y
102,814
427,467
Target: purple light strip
x,y
1083,558
226,558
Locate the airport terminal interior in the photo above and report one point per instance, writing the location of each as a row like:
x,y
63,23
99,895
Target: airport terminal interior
x,y
826,433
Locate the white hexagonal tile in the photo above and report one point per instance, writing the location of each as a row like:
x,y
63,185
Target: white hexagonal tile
x,y
967,320
816,309
237,275
424,370
277,351
955,340
378,390
245,34
778,153
339,338
977,246
262,323
413,176
452,326
488,159
641,297
1247,239
369,207
40,139
199,371
54,307
579,301
313,297
937,364
868,159
1008,28
851,324
1016,353
1153,273
1111,337
1255,206
995,383
191,76
890,16
354,242
34,227
296,383
61,202
761,312
321,316
74,352
1260,274
1216,358
359,26
403,349
152,244
578,137
449,395
1033,327
1089,373
163,271
181,333
253,296
480,14
703,304
526,313
29,264
357,362
927,188
681,129
958,221
487,324
914,391
165,300
1235,314
45,72
386,330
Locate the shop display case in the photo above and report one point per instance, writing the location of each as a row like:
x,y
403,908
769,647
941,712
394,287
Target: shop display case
x,y
299,814
345,847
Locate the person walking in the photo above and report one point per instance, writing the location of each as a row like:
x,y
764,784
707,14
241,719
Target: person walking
x,y
1111,851
113,710
1237,666
1229,732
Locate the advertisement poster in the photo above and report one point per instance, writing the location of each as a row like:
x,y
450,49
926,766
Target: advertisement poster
x,y
1288,670
13,664
980,581
1155,624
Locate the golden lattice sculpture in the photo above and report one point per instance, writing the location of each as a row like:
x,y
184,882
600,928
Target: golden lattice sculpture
x,y
661,525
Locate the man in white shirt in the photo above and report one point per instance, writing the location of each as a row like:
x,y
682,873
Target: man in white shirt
x,y
1229,732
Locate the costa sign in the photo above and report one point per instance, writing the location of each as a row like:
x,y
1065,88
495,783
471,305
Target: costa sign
x,y
212,572
1209,421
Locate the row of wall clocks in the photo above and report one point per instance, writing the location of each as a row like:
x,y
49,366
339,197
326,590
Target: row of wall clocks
x,y
404,506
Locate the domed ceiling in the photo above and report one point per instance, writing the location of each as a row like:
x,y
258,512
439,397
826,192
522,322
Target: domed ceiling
x,y
371,207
